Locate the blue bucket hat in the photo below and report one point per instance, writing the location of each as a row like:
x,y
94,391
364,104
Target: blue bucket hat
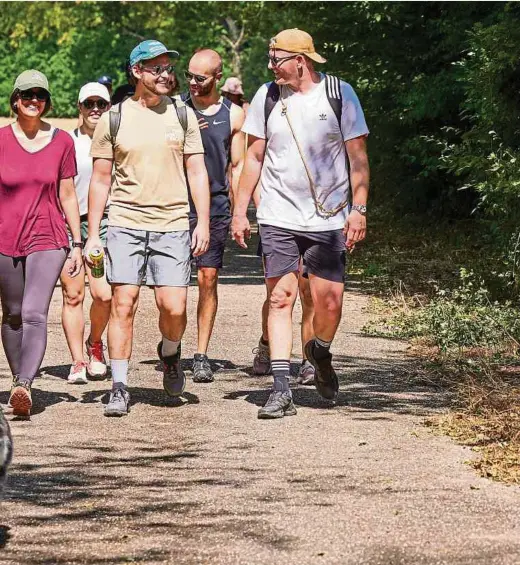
x,y
149,49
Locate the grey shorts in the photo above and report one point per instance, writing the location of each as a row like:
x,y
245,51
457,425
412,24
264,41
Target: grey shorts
x,y
148,258
323,253
218,235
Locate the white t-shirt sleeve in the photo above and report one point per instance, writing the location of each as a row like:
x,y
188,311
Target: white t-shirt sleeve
x,y
255,119
353,122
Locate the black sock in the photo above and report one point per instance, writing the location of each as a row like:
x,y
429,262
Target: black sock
x,y
263,341
281,370
321,348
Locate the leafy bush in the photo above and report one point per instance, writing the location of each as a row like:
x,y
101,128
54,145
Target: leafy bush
x,y
459,318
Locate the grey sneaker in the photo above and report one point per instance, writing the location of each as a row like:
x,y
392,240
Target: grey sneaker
x,y
306,373
325,379
174,379
202,372
262,360
119,402
278,405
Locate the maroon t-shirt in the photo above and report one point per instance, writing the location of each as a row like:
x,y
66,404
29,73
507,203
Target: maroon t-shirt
x,y
31,218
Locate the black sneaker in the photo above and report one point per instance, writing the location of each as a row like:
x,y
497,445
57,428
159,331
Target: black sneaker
x,y
278,405
202,372
325,379
174,379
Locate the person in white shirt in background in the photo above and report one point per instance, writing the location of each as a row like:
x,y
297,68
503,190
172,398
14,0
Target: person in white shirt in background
x,y
93,102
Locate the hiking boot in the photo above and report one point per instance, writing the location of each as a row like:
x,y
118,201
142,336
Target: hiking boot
x,y
78,373
325,379
97,365
119,402
278,405
201,369
174,379
262,360
21,399
306,373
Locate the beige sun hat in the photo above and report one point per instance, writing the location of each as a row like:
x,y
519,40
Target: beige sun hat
x,y
233,85
296,41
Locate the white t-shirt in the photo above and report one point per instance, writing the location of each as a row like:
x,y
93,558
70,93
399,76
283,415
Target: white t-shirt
x,y
82,143
285,199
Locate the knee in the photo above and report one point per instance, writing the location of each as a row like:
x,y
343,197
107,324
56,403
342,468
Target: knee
x,y
176,310
73,298
208,279
122,308
102,299
33,316
12,319
280,299
331,303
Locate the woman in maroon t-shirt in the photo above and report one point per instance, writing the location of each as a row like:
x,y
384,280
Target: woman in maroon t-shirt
x,y
37,196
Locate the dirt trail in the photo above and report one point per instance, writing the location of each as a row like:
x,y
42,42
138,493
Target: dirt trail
x,y
203,481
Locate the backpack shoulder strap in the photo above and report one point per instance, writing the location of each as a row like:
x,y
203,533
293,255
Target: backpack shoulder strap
x,y
272,97
115,121
55,133
182,113
333,89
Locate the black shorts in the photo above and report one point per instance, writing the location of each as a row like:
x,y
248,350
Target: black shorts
x,y
218,234
323,253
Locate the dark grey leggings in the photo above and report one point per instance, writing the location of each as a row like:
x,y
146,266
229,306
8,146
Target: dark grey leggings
x,y
26,287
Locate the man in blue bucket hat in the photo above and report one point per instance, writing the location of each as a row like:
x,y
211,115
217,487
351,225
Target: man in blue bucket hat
x,y
149,139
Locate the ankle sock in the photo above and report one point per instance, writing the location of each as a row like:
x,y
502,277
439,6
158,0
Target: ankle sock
x,y
281,370
169,348
264,342
119,372
321,348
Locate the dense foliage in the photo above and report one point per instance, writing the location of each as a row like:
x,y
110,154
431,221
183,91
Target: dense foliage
x,y
439,82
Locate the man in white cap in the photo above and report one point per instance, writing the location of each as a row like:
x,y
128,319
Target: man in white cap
x,y
305,129
93,102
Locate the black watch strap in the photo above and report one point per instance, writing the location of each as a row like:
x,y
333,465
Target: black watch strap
x,y
77,244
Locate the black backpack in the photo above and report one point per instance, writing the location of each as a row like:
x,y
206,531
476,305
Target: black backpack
x,y
116,113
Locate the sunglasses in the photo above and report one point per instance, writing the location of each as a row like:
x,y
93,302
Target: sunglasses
x,y
157,70
198,78
90,104
277,61
40,95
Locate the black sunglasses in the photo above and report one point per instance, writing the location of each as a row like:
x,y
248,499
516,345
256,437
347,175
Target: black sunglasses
x,y
40,95
277,61
199,78
157,70
90,104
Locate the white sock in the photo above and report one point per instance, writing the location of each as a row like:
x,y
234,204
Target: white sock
x,y
169,348
119,371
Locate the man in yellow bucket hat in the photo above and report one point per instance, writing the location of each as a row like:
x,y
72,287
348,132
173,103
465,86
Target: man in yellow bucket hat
x,y
307,148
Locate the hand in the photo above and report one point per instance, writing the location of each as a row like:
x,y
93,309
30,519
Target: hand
x,y
240,230
200,239
355,229
75,262
92,243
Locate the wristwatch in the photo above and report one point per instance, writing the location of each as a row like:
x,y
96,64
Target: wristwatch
x,y
77,244
361,208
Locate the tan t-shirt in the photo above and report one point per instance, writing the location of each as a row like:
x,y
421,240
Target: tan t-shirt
x,y
149,190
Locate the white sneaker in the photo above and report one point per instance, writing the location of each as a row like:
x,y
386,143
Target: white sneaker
x,y
97,365
78,373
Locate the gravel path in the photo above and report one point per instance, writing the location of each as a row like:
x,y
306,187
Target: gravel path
x,y
202,481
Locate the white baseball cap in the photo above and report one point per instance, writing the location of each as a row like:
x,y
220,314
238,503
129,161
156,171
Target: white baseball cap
x,y
93,89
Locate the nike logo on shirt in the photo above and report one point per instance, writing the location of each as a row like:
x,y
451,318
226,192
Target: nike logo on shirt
x,y
215,123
